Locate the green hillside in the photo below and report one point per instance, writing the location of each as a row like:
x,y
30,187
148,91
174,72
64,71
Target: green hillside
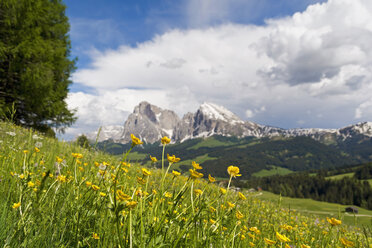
x,y
251,154
57,194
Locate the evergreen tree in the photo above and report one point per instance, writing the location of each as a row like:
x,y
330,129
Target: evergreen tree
x,y
34,64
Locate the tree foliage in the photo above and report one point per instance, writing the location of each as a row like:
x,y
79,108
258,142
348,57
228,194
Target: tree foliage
x,y
34,63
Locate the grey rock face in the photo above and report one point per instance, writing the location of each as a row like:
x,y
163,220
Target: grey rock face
x,y
150,123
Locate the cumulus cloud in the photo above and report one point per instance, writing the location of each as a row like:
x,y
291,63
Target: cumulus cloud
x,y
312,68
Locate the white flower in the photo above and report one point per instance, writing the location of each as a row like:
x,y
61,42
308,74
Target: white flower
x,y
11,133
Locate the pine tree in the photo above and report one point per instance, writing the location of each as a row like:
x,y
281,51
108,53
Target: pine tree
x,y
34,64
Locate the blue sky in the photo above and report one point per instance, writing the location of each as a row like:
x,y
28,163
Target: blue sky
x,y
286,63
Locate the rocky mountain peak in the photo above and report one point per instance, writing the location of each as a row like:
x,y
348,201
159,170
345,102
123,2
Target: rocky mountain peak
x,y
217,112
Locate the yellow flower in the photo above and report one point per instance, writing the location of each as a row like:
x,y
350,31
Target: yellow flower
x,y
198,192
305,246
77,155
30,184
223,191
168,195
346,242
102,194
212,209
194,174
287,246
21,176
16,205
286,227
173,159
175,173
37,149
282,238
269,242
254,229
239,215
120,195
95,187
153,159
62,178
242,237
95,236
231,205
140,180
241,196
211,179
135,140
333,221
233,171
165,140
81,169
59,160
251,244
212,221
25,151
146,172
88,183
196,166
131,204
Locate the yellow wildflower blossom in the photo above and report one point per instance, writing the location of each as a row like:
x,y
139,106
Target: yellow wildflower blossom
x,y
120,195
168,195
173,159
37,149
241,196
305,246
251,244
233,171
153,159
88,183
165,140
30,184
333,221
282,238
62,178
135,141
16,205
102,194
95,187
140,180
346,242
196,166
131,204
212,209
95,236
198,192
194,174
239,215
230,205
211,179
146,172
223,191
59,160
175,173
269,241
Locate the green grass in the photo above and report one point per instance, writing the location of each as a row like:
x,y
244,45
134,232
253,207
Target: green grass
x,y
210,142
322,209
275,170
340,176
60,195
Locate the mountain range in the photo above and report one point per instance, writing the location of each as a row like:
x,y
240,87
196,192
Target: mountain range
x,y
150,123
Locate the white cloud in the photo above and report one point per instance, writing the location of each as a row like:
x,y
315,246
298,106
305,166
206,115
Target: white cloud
x,y
316,62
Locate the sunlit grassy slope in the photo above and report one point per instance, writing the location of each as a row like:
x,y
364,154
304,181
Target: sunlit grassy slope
x,y
55,194
322,209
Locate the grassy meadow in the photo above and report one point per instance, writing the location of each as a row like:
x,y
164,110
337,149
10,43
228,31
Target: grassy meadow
x,y
56,194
